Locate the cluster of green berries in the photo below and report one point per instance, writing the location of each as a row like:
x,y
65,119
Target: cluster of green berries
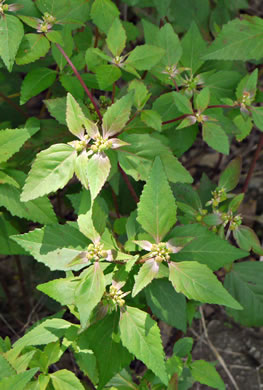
x,y
114,298
101,144
95,252
202,213
219,195
47,23
160,252
234,221
3,8
247,99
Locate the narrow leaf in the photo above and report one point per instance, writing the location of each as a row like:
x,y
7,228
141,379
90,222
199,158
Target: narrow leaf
x,y
98,169
89,292
141,336
146,274
157,209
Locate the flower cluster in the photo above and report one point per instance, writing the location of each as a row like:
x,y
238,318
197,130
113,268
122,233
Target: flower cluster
x,y
160,252
46,24
234,221
114,298
96,252
219,195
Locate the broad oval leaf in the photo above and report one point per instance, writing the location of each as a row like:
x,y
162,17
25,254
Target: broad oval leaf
x,y
229,178
51,170
65,380
33,46
117,116
197,281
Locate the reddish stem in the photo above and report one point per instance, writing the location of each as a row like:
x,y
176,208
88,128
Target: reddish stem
x,y
253,163
13,104
80,80
128,183
113,93
176,119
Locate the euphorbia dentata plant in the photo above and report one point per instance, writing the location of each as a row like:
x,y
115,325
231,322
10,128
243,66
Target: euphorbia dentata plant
x,y
141,243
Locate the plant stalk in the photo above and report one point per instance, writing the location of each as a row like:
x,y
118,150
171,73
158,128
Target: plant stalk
x,y
86,89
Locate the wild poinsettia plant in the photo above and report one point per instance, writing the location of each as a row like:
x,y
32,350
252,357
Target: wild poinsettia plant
x,y
117,95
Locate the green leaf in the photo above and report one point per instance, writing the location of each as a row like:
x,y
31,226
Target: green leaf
x,y
67,47
62,290
152,119
33,46
257,115
146,274
215,137
73,12
198,282
57,109
145,57
174,169
5,368
117,116
12,140
81,168
166,303
89,292
141,94
207,248
229,178
7,245
141,336
185,12
51,170
183,347
103,13
162,7
156,212
11,34
167,107
75,118
248,84
107,75
182,103
55,36
35,82
65,380
116,38
238,40
244,283
202,99
98,169
103,339
54,245
168,40
18,381
247,239
193,46
205,373
47,332
91,217
38,210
